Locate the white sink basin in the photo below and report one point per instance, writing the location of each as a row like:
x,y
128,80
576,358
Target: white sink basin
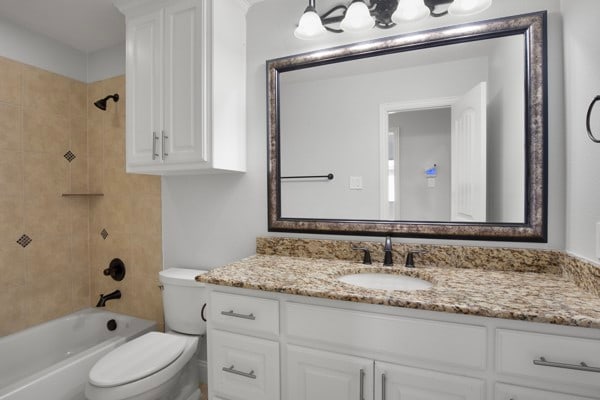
x,y
385,281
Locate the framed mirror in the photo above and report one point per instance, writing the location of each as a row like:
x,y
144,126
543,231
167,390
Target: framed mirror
x,y
434,134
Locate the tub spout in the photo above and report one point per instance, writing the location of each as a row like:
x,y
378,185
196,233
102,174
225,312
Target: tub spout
x,y
111,296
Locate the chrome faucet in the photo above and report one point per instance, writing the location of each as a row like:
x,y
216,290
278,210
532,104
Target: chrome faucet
x,y
111,296
387,249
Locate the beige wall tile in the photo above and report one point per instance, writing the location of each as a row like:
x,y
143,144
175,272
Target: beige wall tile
x,y
14,310
10,127
78,99
46,174
10,81
48,257
46,215
45,91
11,215
45,132
146,254
12,260
48,298
113,213
11,173
146,214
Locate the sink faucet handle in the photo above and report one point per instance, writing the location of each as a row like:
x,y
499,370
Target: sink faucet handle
x,y
366,256
410,261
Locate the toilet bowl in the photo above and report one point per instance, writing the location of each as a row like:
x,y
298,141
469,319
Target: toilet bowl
x,y
157,365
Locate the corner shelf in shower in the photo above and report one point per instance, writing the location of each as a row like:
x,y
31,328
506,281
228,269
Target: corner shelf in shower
x,y
82,194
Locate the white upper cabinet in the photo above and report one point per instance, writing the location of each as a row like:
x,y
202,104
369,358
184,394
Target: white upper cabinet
x,y
186,86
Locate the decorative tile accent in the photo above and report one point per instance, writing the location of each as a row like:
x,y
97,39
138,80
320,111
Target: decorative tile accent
x,y
24,241
69,156
104,234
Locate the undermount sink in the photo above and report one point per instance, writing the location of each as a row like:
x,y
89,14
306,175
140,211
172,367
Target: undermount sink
x,y
385,281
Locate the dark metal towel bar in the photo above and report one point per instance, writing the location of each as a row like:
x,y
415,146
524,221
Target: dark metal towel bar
x,y
587,120
328,176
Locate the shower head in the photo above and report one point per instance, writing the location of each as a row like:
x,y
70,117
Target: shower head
x,y
101,104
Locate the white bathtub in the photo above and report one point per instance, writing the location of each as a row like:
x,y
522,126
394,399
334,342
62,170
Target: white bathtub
x,y
51,361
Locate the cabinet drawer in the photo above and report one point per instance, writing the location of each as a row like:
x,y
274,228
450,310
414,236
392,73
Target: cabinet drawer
x,y
516,352
510,392
244,367
402,339
244,314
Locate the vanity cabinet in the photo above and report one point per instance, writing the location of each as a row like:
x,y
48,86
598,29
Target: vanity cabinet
x,y
303,348
185,78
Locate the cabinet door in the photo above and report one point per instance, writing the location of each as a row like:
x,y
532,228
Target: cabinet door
x,y
395,382
144,74
183,136
509,392
243,367
321,375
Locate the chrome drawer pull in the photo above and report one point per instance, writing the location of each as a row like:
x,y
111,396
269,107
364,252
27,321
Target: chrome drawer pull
x,y
579,367
236,315
382,386
362,385
154,139
234,371
164,145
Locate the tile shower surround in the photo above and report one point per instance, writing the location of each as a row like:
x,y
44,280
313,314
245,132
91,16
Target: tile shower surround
x,y
54,141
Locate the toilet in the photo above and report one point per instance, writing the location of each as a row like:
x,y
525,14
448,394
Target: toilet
x,y
158,365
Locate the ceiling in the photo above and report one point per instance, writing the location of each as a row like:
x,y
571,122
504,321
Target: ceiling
x,y
86,25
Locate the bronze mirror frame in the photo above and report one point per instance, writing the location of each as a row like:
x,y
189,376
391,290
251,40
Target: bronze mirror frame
x,y
533,27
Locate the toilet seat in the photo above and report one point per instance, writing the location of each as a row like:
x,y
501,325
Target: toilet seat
x,y
137,359
139,366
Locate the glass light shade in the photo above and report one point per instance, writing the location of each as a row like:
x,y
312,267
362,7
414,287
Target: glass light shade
x,y
410,10
468,7
357,18
310,26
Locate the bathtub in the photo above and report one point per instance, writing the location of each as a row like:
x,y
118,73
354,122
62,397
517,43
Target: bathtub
x,y
51,361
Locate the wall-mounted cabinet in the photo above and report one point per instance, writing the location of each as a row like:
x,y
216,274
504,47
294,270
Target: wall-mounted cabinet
x,y
186,86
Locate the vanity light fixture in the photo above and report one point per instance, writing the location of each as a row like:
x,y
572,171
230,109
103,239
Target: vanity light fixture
x,y
362,15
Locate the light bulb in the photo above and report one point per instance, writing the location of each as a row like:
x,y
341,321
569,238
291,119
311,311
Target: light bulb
x,y
358,18
410,10
309,26
468,7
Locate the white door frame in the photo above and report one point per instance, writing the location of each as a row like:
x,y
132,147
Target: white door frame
x,y
384,110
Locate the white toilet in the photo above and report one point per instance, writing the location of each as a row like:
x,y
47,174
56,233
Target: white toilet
x,y
158,365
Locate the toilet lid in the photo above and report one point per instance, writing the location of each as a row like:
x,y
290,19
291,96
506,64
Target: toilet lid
x,y
137,359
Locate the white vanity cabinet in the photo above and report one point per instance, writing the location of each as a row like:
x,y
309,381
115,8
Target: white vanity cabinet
x,y
339,350
185,78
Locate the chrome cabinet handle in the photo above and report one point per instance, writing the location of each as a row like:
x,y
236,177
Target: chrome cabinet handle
x,y
236,315
164,145
154,139
234,371
579,367
382,386
362,385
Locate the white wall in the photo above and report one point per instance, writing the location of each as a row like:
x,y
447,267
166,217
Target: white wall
x,y
22,45
212,220
582,83
106,63
506,143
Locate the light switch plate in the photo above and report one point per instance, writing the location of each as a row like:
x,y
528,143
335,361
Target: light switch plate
x,y
356,183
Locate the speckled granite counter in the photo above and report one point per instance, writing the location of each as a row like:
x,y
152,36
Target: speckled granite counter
x,y
531,296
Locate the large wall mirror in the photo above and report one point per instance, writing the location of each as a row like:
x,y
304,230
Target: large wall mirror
x,y
437,134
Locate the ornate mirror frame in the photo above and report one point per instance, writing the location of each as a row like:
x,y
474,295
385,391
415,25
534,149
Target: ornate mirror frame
x,y
534,229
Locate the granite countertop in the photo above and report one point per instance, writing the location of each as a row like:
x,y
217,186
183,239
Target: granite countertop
x,y
529,296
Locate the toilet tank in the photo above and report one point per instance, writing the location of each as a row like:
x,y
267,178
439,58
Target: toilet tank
x,y
183,299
